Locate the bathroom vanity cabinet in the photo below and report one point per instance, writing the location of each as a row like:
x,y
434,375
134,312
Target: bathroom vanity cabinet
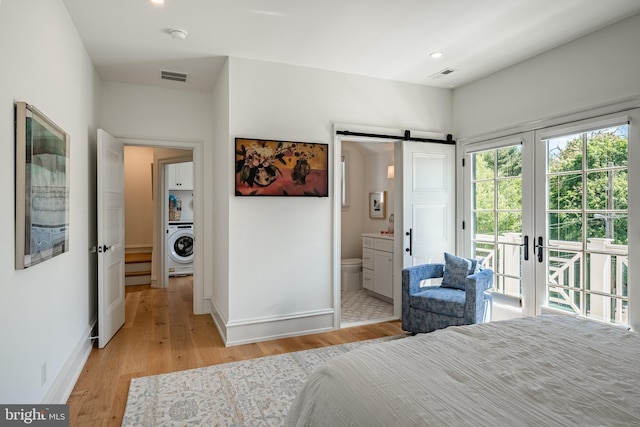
x,y
377,263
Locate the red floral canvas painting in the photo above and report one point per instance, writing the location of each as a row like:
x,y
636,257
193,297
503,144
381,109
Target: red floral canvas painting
x,y
281,168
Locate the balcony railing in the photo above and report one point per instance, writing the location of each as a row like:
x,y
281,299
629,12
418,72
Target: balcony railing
x,y
590,281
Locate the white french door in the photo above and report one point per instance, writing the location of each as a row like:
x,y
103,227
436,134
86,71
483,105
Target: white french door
x,y
549,211
582,218
498,218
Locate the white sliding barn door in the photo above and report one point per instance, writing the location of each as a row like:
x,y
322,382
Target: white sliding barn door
x,y
428,175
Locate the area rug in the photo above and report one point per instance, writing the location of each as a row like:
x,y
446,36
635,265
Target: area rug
x,y
255,392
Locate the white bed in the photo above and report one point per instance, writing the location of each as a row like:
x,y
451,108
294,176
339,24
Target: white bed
x,y
541,371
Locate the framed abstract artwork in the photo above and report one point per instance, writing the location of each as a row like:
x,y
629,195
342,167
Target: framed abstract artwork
x,y
41,188
281,168
378,205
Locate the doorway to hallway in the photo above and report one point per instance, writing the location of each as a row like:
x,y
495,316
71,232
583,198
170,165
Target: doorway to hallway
x,y
111,276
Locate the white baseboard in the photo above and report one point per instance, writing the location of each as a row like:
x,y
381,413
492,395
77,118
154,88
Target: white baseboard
x,y
62,386
270,328
217,319
207,306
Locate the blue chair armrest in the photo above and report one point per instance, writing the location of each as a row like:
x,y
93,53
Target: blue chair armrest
x,y
475,287
412,276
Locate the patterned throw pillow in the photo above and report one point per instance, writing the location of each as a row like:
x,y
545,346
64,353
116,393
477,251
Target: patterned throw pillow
x,y
456,270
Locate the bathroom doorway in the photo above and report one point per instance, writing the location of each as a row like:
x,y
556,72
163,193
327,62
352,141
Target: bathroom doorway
x,y
405,173
367,168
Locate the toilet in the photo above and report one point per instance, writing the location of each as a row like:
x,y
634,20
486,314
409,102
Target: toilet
x,y
351,274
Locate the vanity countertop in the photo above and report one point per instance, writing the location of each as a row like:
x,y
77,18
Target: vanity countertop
x,y
378,235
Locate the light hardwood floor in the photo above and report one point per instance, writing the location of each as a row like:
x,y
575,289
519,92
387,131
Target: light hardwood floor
x,y
161,334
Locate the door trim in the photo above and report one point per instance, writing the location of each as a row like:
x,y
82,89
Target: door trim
x,y
197,146
397,208
630,106
337,208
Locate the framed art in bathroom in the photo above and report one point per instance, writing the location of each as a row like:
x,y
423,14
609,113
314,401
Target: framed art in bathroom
x,y
281,168
42,188
378,205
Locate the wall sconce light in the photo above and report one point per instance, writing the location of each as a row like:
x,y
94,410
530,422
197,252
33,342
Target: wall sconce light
x,y
390,172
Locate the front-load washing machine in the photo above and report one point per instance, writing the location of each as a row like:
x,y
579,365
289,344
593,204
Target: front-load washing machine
x,y
180,249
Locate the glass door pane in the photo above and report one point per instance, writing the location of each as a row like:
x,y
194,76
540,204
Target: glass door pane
x,y
586,262
497,218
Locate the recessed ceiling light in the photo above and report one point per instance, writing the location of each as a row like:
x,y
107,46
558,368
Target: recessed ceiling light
x,y
158,2
435,54
178,33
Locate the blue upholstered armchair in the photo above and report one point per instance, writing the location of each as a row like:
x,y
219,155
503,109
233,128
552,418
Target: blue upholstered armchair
x,y
425,309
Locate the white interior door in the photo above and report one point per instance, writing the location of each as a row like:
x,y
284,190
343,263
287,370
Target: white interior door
x,y
428,174
111,297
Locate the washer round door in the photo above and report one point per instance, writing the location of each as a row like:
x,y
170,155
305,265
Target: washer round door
x,y
181,246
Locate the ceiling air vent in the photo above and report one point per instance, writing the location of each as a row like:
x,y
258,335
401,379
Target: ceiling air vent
x,y
174,76
442,73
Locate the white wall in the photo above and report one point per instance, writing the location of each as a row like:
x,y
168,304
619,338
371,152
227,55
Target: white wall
x,y
352,216
128,110
46,310
367,172
598,68
220,186
376,180
280,249
138,203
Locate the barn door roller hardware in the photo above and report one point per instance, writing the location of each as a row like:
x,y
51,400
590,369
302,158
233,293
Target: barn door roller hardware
x,y
407,137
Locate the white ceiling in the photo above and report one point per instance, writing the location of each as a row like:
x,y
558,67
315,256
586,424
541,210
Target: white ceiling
x,y
128,40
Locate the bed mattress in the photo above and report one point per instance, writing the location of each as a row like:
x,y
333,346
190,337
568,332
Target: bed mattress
x,y
537,371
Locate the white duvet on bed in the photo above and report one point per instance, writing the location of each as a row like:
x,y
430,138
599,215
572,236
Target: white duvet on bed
x,y
540,371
